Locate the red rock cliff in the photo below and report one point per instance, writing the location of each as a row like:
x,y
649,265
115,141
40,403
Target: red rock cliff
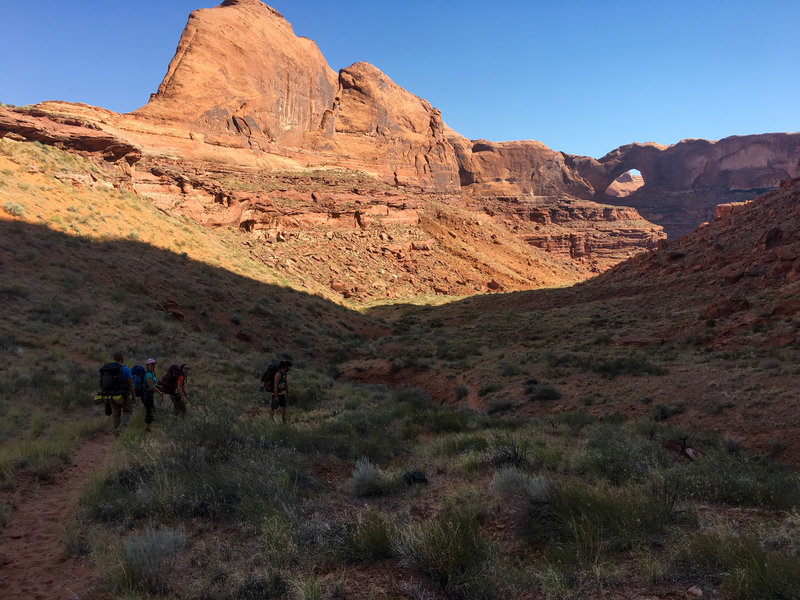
x,y
241,76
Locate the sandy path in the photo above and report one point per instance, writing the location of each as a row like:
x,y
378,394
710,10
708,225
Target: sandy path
x,y
33,563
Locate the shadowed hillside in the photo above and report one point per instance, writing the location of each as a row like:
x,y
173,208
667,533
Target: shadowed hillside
x,y
566,443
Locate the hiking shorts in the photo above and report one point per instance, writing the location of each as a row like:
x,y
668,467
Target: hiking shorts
x,y
280,401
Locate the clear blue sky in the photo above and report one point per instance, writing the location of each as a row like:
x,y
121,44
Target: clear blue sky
x,y
584,76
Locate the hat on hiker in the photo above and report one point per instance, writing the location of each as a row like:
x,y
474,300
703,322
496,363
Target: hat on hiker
x,y
150,361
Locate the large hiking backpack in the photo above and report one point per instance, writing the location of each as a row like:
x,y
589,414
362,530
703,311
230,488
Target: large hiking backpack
x,y
269,375
169,381
138,373
111,381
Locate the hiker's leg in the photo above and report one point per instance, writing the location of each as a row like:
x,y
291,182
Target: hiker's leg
x,y
282,404
116,411
180,406
149,406
127,410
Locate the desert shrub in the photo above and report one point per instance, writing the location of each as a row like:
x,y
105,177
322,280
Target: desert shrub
x,y
455,351
743,567
277,539
531,501
350,435
449,548
452,445
368,538
625,517
574,419
499,406
738,479
618,456
510,450
661,412
414,397
509,369
369,481
542,391
461,392
511,483
149,559
206,468
14,209
442,420
590,519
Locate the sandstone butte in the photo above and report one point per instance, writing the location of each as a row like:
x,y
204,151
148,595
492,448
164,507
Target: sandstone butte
x,y
252,129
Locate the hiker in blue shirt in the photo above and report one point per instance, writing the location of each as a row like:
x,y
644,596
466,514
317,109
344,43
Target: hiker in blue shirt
x,y
121,412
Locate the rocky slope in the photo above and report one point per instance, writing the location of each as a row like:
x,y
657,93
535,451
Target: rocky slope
x,y
739,275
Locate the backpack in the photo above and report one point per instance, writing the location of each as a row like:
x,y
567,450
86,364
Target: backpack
x,y
169,380
138,373
111,379
269,375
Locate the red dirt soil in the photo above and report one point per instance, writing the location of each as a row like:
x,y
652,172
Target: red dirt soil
x,y
33,561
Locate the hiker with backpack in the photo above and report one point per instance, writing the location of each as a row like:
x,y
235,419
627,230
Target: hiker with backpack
x,y
173,385
180,391
116,390
150,389
276,382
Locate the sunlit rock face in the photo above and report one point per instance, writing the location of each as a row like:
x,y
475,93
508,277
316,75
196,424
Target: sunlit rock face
x,y
242,77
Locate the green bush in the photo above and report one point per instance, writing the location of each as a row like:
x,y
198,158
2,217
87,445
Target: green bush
x,y
738,479
450,548
367,539
619,456
588,519
211,466
369,481
531,501
574,419
460,443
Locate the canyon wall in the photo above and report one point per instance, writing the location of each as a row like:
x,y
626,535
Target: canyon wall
x,y
245,101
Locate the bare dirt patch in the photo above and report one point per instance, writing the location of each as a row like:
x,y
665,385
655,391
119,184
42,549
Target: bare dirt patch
x,y
34,562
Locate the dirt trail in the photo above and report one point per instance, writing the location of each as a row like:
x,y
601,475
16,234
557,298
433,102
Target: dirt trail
x,y
33,563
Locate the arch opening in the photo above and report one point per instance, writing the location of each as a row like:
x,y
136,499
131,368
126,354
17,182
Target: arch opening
x,y
624,185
